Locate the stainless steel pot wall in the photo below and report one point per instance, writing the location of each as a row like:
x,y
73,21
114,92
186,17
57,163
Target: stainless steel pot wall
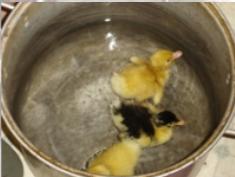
x,y
56,65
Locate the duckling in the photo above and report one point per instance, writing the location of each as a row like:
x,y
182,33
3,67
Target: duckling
x,y
147,127
118,160
144,79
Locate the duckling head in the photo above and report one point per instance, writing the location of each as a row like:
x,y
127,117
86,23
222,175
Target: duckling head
x,y
164,58
169,119
163,126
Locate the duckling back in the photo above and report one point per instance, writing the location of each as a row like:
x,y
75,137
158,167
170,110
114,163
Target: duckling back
x,y
134,82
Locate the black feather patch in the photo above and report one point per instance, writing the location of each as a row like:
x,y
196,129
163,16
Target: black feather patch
x,y
166,118
137,119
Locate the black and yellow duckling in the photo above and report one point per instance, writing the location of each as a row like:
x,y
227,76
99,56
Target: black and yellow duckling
x,y
147,127
145,79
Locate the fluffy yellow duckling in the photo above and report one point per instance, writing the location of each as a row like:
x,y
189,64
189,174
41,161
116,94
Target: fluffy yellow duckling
x,y
118,160
144,79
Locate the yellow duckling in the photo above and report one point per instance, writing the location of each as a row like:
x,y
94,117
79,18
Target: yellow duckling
x,y
144,79
118,160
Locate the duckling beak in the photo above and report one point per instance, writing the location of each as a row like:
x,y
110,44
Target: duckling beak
x,y
180,122
177,55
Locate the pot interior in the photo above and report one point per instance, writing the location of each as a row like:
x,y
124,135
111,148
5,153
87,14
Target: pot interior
x,y
56,75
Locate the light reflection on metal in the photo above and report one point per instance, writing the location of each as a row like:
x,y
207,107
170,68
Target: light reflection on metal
x,y
111,39
107,19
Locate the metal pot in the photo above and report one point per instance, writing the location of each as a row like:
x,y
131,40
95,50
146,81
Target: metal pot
x,y
56,65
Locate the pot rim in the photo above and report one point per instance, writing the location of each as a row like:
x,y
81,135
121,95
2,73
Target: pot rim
x,y
22,141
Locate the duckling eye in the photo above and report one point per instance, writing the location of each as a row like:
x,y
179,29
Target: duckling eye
x,y
159,122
